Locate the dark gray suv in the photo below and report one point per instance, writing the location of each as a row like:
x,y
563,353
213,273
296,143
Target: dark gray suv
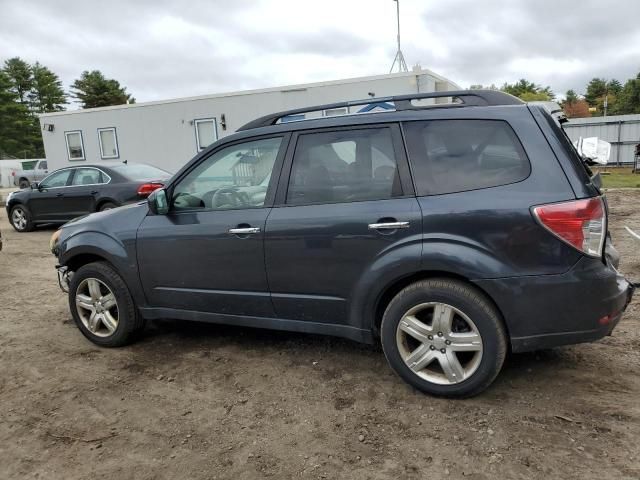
x,y
451,233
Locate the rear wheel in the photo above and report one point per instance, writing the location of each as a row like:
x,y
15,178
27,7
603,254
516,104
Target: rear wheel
x,y
444,338
107,206
21,219
102,306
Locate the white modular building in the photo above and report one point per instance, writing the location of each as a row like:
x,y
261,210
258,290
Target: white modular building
x,y
169,133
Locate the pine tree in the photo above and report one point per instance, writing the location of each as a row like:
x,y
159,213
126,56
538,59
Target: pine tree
x,y
19,74
19,136
92,90
47,94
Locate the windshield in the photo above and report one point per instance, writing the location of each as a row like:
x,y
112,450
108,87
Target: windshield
x,y
141,172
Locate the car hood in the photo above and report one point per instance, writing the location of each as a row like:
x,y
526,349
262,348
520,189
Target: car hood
x,y
109,219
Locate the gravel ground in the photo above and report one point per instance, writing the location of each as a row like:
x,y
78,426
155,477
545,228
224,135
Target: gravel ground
x,y
205,401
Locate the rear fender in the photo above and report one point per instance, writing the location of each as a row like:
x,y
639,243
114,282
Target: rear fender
x,y
427,259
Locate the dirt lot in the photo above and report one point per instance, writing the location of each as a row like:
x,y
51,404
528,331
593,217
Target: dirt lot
x,y
205,401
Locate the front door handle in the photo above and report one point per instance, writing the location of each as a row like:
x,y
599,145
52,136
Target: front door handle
x,y
388,225
59,194
244,230
95,192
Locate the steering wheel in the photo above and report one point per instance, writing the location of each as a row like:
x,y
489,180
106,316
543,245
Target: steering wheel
x,y
186,200
234,198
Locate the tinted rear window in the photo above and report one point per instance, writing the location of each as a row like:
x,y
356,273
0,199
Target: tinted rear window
x,y
450,156
141,172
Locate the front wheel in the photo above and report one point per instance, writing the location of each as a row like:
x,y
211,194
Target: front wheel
x,y
102,306
444,337
21,219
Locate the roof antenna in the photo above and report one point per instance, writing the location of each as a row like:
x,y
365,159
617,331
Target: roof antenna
x,y
399,58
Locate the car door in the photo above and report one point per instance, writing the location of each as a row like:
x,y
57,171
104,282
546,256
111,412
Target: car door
x,y
207,253
47,202
347,201
80,197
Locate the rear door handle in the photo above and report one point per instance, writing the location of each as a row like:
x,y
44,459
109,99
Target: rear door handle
x,y
95,192
388,225
59,194
244,230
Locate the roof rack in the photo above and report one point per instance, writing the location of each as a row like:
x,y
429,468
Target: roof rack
x,y
401,102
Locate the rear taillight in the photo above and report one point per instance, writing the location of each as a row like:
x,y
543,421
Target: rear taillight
x,y
146,189
580,223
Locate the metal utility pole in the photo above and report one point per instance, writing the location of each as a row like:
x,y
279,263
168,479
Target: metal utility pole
x,y
399,58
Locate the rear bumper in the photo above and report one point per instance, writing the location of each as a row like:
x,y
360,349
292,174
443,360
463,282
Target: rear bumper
x,y
582,305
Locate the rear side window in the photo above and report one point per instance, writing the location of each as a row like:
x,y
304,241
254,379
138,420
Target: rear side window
x,y
450,156
141,172
87,176
344,166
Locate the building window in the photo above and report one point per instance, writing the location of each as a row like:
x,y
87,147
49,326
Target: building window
x,y
206,132
75,145
108,142
332,112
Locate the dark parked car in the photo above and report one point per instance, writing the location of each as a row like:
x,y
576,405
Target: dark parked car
x,y
450,233
74,191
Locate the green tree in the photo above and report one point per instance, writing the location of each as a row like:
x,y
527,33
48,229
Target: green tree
x,y
47,94
599,90
20,77
628,101
92,90
614,86
571,97
596,89
19,133
528,91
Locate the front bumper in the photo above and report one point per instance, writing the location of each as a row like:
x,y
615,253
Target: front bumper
x,y
582,305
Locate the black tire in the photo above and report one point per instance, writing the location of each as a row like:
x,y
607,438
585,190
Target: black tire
x,y
24,183
129,322
107,206
477,308
19,226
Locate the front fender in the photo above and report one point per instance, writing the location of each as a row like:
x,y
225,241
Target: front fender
x,y
121,256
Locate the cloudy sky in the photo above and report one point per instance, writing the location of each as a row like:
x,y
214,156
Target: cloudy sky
x,y
164,49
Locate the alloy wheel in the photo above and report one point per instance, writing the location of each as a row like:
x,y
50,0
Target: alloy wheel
x,y
19,218
97,307
439,343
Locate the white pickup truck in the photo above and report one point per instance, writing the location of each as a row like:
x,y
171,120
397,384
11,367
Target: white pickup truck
x,y
24,178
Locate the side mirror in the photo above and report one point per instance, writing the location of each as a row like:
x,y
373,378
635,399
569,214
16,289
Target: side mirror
x,y
158,204
35,186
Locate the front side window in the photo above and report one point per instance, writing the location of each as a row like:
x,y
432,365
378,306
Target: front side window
x,y
56,179
234,177
205,132
344,166
75,145
108,142
449,156
87,176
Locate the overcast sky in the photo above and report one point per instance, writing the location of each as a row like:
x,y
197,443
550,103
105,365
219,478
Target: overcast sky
x,y
164,49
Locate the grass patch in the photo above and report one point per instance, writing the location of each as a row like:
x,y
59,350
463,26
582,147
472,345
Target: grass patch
x,y
619,178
